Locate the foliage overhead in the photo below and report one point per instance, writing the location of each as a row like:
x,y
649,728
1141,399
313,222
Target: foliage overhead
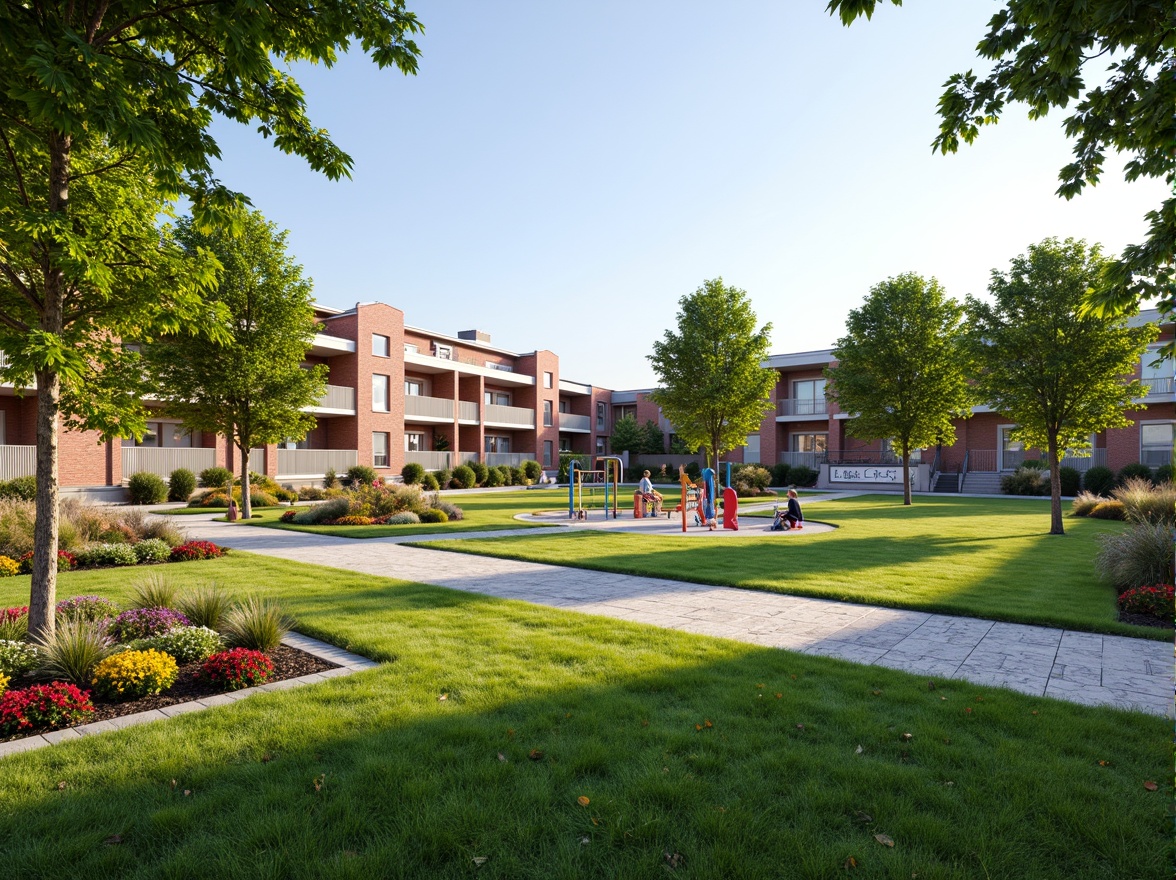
x,y
902,367
712,386
1058,370
1041,53
626,436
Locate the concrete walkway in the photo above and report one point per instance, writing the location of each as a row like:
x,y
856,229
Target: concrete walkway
x,y
1080,667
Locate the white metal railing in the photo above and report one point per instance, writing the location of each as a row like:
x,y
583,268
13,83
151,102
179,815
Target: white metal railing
x,y
513,459
428,407
571,422
162,461
495,413
257,461
803,407
1096,458
431,461
338,397
18,461
804,459
467,411
504,368
314,462
983,460
1153,386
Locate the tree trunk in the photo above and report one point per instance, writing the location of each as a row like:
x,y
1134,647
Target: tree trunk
x,y
1055,488
906,475
246,507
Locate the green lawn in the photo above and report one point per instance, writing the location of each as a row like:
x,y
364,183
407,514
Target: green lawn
x,y
988,558
679,742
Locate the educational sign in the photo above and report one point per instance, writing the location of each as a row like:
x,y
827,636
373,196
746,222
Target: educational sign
x,y
867,474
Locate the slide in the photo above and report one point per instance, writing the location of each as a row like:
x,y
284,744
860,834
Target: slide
x,y
730,509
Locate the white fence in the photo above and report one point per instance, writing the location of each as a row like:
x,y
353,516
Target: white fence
x,y
17,461
509,415
257,461
430,461
314,462
162,461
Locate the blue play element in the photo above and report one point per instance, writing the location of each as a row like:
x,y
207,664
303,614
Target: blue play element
x,y
708,507
572,489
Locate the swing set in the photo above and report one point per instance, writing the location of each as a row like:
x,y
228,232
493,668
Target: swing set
x,y
610,473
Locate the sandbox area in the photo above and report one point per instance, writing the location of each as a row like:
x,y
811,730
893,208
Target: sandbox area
x,y
749,526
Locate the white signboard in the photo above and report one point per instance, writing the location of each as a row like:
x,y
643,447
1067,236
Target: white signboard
x,y
867,473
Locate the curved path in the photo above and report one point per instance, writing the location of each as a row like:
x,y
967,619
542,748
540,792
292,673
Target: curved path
x,y
1080,667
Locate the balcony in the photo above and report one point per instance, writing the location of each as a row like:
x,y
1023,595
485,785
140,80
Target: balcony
x,y
467,412
498,416
1158,390
314,462
338,401
430,461
158,461
511,459
800,409
429,363
579,424
427,409
18,461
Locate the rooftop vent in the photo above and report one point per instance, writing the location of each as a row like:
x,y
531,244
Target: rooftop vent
x,y
474,335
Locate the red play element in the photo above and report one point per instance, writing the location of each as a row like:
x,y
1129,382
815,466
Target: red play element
x,y
730,509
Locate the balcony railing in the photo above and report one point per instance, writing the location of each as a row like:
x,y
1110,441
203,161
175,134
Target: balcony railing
x,y
571,422
466,457
430,461
806,459
428,407
314,462
513,459
514,416
1096,458
338,397
1158,386
161,461
257,461
17,461
803,407
467,411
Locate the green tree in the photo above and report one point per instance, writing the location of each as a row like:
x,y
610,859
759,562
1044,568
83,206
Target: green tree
x,y
626,436
902,367
70,290
711,384
1040,52
105,111
1056,369
653,440
252,388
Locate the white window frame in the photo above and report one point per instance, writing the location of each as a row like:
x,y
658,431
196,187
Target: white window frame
x,y
548,379
497,443
1152,423
387,452
387,390
548,414
381,349
497,398
1000,447
418,445
421,384
444,352
813,400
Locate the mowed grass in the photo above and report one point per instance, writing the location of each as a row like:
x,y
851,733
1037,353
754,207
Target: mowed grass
x,y
732,760
989,558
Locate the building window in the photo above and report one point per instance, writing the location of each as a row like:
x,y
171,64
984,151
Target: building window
x,y
563,406
381,346
809,396
379,449
565,443
496,443
547,444
494,365
445,352
1155,443
168,435
601,411
548,380
1012,452
892,451
600,446
810,443
414,388
414,442
621,412
498,398
304,443
751,449
379,393
547,420
1156,374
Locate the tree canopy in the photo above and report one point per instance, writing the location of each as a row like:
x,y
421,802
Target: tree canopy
x,y
626,436
252,388
1042,52
1061,372
711,384
902,367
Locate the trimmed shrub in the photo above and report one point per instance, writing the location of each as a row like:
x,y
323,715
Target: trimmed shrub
x,y
463,477
1137,557
43,706
1136,471
129,675
361,475
1108,509
505,473
194,550
181,485
1163,474
88,608
17,657
238,668
1084,502
1071,479
311,493
205,605
331,509
493,478
1143,502
100,555
429,483
144,623
517,477
1158,600
751,480
1035,464
146,488
452,511
215,477
803,476
76,648
412,473
408,518
1025,481
188,644
434,516
352,520
531,469
443,476
481,472
780,474
152,550
20,488
256,624
1099,480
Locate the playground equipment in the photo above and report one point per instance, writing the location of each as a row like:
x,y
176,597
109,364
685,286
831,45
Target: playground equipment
x,y
699,499
610,472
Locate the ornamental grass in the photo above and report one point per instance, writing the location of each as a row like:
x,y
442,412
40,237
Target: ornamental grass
x,y
76,648
205,605
257,624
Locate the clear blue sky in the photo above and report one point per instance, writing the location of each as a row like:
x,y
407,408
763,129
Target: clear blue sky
x,y
560,174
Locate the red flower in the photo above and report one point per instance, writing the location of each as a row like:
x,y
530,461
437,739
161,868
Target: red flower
x,y
43,705
238,668
1158,601
193,550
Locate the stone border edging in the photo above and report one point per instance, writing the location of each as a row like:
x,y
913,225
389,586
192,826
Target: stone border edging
x,y
348,663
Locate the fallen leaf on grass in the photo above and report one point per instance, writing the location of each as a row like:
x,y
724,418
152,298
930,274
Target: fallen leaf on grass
x,y
851,862
760,686
800,727
707,724
510,731
779,696
794,678
698,727
876,693
1034,711
907,737
1151,786
584,841
187,791
113,840
266,758
502,757
674,860
1104,763
595,821
478,861
883,839
320,782
858,750
173,785
61,786
863,817
968,711
583,801
535,754
645,724
443,698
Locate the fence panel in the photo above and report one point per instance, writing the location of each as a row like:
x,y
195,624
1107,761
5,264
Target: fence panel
x,y
513,459
162,461
430,461
314,462
17,461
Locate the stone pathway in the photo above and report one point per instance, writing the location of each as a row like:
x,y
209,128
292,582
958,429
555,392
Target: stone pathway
x,y
1080,667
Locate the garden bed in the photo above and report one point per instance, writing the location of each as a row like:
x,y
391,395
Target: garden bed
x,y
288,663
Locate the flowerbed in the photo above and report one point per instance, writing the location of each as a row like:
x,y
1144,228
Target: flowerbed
x,y
1150,606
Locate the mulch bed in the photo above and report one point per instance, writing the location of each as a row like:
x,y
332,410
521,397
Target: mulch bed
x,y
1144,620
288,663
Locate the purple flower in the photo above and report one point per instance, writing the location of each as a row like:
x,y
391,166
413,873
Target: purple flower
x,y
86,608
143,623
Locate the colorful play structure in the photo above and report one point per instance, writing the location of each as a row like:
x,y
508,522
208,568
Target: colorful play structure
x,y
610,473
699,499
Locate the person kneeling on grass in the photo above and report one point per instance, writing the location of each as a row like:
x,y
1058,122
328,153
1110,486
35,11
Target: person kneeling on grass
x,y
645,487
791,517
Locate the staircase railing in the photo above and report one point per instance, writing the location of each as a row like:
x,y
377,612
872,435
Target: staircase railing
x,y
935,470
963,471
